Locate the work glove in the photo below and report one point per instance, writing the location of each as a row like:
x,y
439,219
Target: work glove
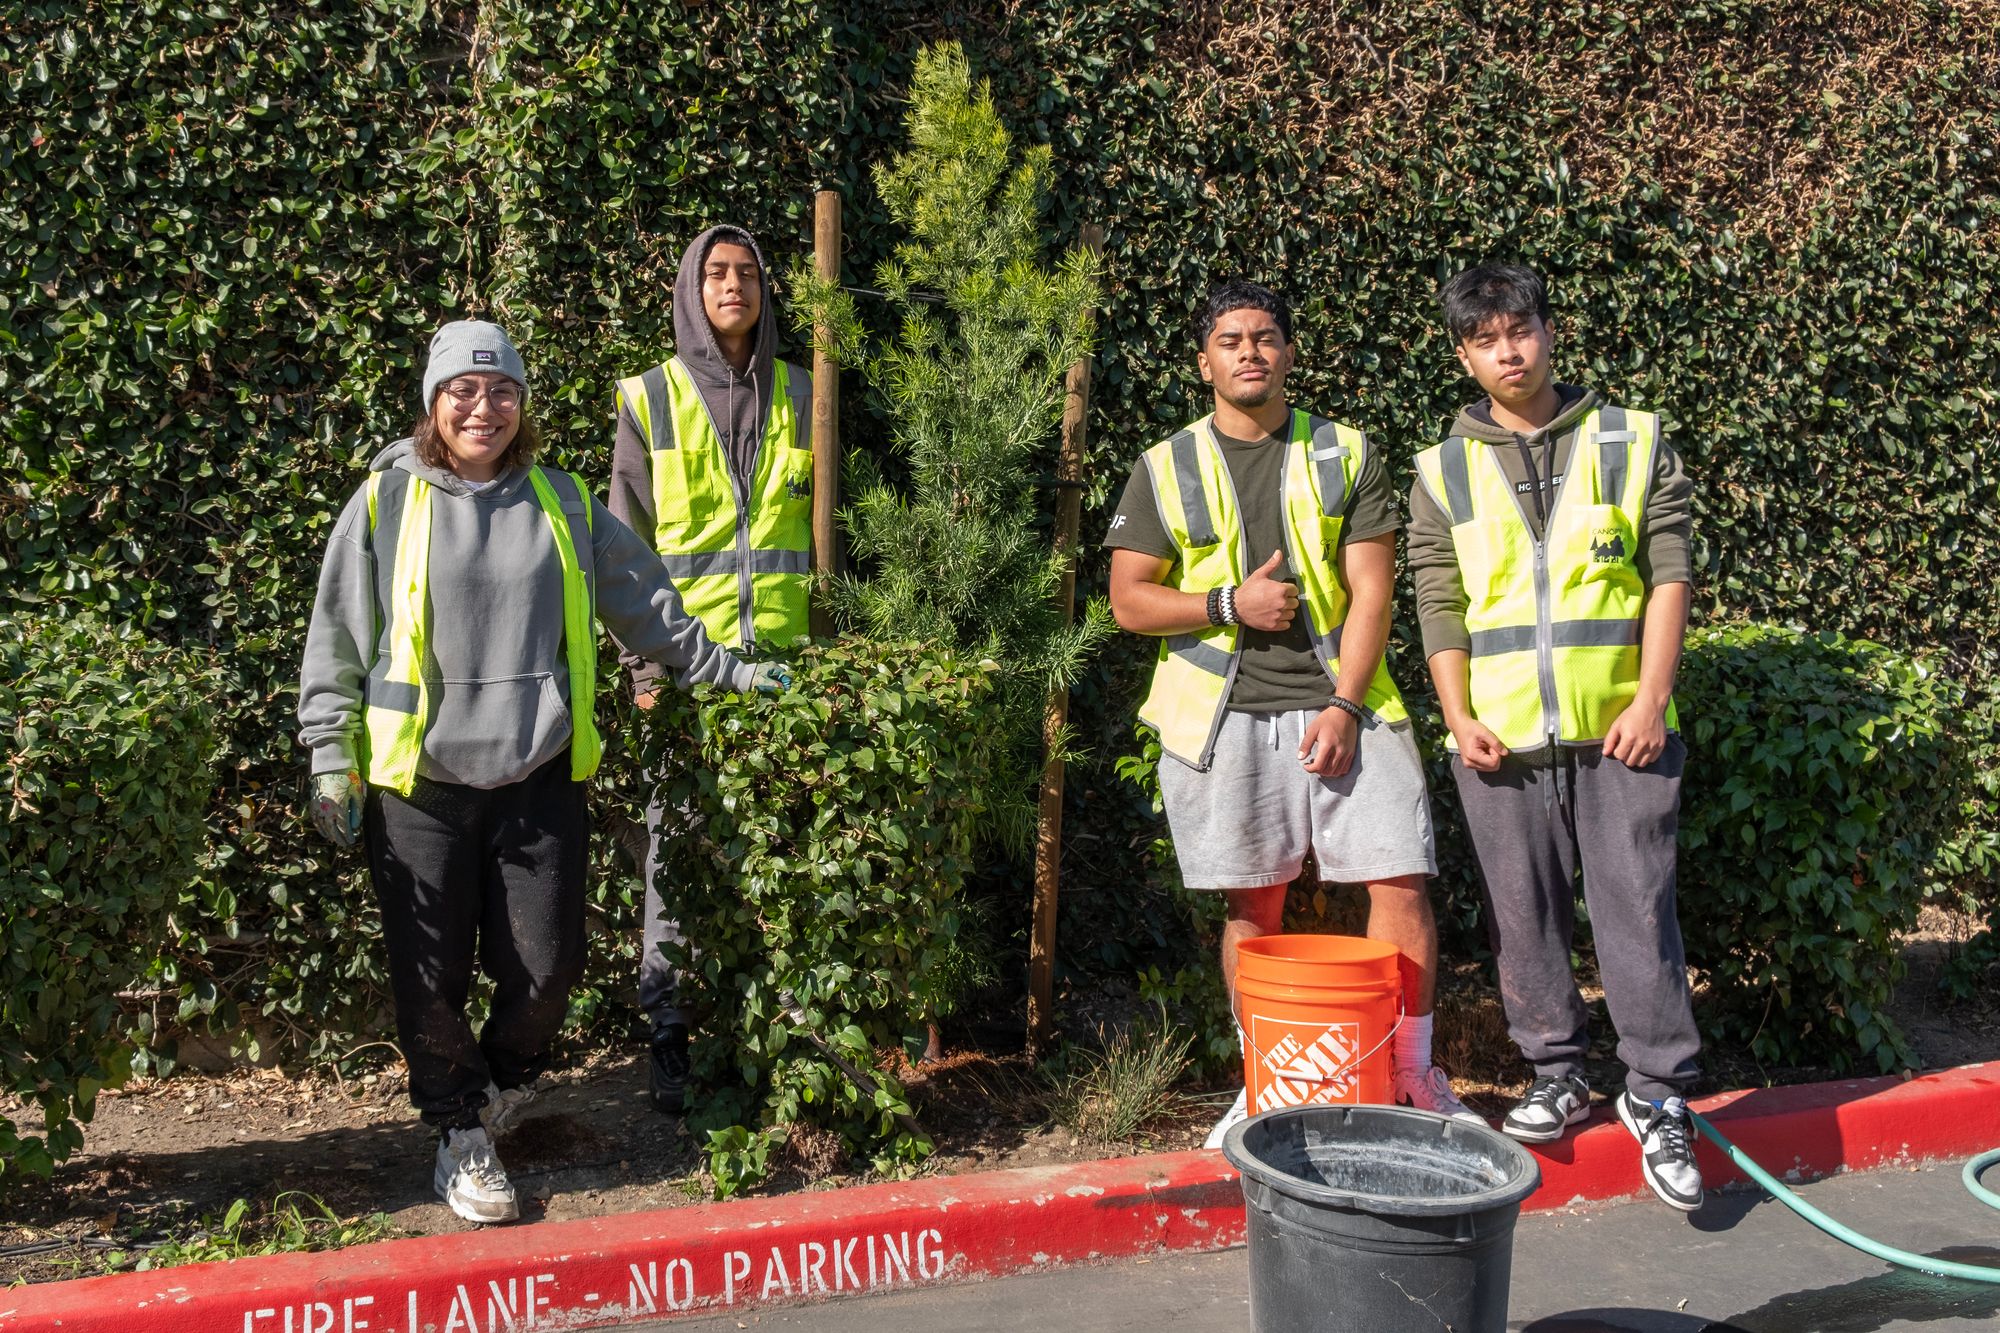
x,y
770,678
336,806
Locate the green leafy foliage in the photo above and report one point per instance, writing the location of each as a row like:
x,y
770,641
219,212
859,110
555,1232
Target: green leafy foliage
x,y
1811,809
824,837
227,231
294,1223
108,777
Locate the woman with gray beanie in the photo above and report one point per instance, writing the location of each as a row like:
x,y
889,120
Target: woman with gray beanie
x,y
446,698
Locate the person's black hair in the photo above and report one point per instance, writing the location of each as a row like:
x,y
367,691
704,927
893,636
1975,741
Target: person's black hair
x,y
1237,294
1480,294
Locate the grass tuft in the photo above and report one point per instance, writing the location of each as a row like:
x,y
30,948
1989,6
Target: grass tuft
x,y
1113,1093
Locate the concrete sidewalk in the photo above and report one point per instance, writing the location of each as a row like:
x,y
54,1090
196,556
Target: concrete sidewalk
x,y
1743,1264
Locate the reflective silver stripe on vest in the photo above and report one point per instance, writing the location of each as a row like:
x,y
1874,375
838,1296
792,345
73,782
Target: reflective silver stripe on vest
x,y
1568,634
767,561
1194,495
1597,633
659,411
1612,453
576,508
395,696
1206,656
1327,452
1457,484
1506,639
1329,645
391,495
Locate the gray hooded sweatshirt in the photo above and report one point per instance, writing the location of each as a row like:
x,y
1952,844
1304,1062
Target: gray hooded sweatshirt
x,y
738,405
497,672
1662,555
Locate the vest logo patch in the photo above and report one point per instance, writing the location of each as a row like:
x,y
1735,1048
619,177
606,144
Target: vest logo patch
x,y
798,488
1607,546
482,358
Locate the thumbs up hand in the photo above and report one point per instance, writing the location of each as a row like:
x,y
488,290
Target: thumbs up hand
x,y
1264,603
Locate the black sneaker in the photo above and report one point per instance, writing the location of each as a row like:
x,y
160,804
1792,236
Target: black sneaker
x,y
1666,1148
670,1068
1552,1105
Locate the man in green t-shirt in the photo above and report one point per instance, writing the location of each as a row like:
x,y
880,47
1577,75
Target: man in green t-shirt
x,y
1280,736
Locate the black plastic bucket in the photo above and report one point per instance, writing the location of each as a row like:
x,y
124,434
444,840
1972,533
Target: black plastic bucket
x,y
1378,1219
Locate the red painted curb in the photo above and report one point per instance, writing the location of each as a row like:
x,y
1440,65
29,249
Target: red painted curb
x,y
1796,1133
761,1252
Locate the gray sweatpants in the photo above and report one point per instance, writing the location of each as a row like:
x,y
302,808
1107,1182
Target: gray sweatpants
x,y
659,983
1534,823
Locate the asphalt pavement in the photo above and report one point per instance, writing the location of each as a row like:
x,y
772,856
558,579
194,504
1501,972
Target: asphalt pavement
x,y
1743,1264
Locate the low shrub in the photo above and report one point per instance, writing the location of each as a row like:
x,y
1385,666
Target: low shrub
x,y
1821,781
825,836
108,737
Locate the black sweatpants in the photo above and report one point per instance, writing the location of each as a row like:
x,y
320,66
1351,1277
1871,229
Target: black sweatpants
x,y
496,874
1534,824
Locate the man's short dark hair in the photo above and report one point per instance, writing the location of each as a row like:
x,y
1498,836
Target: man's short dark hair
x,y
1237,294
1504,291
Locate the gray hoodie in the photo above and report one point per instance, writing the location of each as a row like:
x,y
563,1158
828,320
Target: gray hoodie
x,y
497,672
738,405
1662,555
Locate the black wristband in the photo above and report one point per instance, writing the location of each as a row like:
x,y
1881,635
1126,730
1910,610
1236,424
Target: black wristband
x,y
1215,606
1353,710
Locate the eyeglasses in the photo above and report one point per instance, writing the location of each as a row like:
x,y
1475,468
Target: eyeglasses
x,y
467,393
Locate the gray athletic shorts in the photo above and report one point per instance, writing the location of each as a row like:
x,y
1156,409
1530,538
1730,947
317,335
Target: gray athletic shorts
x,y
1250,819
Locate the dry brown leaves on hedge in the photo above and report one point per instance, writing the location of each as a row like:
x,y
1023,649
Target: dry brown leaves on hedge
x,y
1769,119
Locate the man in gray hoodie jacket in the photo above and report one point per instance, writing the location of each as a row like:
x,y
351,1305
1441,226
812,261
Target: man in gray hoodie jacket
x,y
712,465
1549,540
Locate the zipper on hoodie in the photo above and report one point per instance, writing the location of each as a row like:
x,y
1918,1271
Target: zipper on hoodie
x,y
1545,630
745,614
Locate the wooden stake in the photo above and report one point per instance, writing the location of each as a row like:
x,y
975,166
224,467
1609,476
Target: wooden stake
x,y
1048,832
825,410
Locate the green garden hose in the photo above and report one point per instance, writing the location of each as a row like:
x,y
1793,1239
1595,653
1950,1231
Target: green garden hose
x,y
1923,1263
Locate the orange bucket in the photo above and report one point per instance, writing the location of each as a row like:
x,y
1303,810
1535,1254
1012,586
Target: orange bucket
x,y
1317,1013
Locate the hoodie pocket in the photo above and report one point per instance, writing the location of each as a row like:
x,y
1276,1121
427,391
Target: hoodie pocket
x,y
488,732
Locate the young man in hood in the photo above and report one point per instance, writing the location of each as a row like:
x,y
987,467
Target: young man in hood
x,y
1259,545
713,465
1549,540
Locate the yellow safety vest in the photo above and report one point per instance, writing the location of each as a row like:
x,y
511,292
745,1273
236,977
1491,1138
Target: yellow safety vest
x,y
1193,675
396,704
1555,624
731,569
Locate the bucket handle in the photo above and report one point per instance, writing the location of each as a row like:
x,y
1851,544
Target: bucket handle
x,y
1355,1063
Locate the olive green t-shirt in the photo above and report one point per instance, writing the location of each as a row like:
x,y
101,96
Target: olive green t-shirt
x,y
1278,671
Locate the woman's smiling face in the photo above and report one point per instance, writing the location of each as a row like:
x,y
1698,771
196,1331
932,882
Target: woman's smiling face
x,y
477,416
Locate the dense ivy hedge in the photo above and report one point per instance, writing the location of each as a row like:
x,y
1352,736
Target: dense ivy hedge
x,y
1819,802
226,230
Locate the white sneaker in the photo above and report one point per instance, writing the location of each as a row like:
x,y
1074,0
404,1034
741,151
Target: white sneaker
x,y
1552,1105
1666,1148
470,1178
1430,1090
1239,1111
503,1110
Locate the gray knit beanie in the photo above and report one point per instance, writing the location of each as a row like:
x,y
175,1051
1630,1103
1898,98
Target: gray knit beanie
x,y
467,345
